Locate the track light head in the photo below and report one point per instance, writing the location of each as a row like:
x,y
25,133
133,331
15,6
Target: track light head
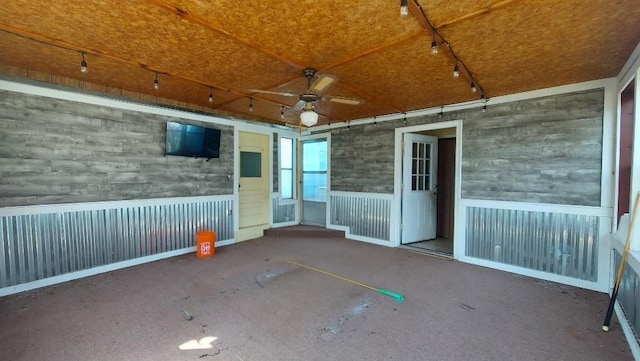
x,y
156,83
210,95
251,104
434,47
456,72
83,65
404,9
474,89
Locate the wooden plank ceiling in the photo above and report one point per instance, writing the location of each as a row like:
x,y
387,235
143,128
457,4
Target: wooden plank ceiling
x,y
228,47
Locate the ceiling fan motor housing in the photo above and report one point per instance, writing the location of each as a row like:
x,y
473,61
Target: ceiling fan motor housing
x,y
309,73
309,97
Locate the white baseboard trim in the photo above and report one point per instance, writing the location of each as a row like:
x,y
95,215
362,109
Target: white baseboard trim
x,y
284,224
628,332
594,286
347,234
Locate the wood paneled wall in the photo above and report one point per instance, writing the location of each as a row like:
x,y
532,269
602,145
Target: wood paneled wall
x,y
58,151
543,150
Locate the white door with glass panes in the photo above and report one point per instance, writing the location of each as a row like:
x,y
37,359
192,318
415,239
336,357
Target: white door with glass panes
x,y
419,189
314,182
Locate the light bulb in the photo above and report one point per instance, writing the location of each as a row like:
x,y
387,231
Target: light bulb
x,y
251,105
473,88
83,66
309,118
156,83
434,47
404,9
210,96
281,112
456,71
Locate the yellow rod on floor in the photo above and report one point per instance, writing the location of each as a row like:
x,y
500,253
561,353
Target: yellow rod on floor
x,y
398,297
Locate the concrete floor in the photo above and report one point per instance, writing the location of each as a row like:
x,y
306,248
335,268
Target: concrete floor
x,y
249,303
439,245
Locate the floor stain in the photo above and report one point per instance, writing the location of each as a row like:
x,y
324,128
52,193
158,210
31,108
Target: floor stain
x,y
464,306
329,332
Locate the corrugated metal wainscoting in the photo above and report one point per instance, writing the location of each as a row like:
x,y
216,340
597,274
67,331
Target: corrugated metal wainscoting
x,y
559,243
49,243
283,213
364,214
629,294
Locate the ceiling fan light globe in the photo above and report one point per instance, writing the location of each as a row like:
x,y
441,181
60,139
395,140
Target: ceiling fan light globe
x,y
309,118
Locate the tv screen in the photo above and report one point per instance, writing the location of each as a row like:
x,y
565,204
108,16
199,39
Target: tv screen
x,y
192,141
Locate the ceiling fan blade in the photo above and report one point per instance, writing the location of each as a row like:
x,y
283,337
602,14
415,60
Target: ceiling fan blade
x,y
321,84
299,105
343,100
284,94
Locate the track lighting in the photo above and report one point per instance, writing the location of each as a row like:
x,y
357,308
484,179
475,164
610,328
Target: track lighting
x,y
251,104
473,87
210,95
434,47
456,71
282,112
404,9
156,83
83,65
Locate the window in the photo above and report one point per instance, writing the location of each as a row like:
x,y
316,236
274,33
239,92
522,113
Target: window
x,y
250,165
286,168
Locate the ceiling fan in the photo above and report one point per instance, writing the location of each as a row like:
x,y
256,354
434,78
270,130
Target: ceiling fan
x,y
312,95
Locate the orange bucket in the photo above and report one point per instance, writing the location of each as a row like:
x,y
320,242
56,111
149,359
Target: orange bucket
x,y
205,244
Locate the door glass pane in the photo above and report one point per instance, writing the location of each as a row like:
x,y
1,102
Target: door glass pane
x,y
286,183
314,170
315,187
250,164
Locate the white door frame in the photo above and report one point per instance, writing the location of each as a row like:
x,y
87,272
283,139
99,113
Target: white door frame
x,y
299,173
396,232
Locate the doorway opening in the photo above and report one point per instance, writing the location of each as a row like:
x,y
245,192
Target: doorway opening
x,y
314,181
429,188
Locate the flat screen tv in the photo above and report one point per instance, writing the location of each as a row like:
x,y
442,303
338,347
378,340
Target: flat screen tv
x,y
192,141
